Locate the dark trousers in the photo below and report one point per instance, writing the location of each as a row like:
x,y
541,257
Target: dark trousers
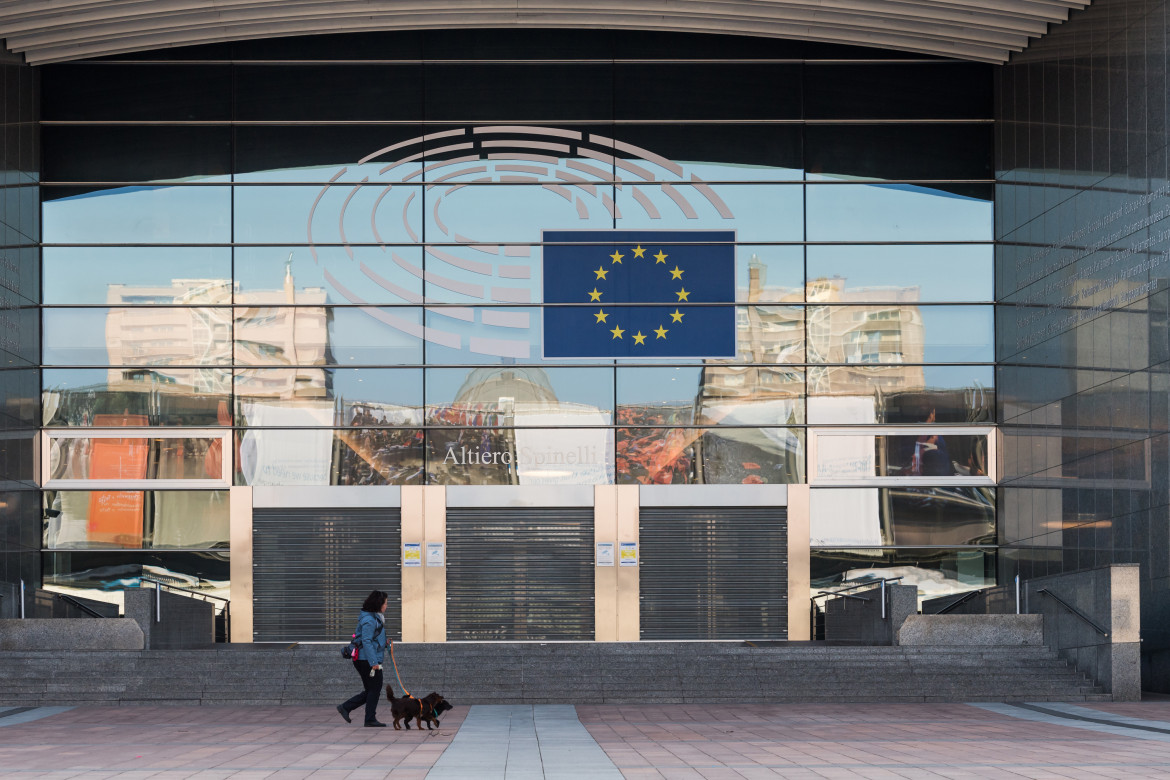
x,y
370,695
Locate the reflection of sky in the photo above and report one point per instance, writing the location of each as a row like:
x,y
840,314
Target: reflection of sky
x,y
943,273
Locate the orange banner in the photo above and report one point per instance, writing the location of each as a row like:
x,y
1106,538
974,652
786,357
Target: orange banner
x,y
115,516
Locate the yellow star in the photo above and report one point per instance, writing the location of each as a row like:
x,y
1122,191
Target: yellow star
x,y
617,331
660,257
639,338
677,316
676,273
639,251
601,272
661,331
601,315
617,256
682,294
594,295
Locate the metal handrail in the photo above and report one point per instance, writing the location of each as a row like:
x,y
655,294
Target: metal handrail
x,y
843,595
159,584
185,590
866,584
84,608
960,600
1075,611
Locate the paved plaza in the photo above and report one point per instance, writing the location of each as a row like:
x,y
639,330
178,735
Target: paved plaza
x,y
1043,740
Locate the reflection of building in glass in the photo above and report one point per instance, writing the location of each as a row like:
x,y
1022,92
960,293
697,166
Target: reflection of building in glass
x,y
188,324
507,426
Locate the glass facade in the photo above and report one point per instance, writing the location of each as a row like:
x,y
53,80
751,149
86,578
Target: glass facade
x,y
345,264
1082,348
20,509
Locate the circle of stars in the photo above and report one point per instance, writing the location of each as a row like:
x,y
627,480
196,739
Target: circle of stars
x,y
602,316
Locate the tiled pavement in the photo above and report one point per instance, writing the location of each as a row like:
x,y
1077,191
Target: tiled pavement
x,y
816,741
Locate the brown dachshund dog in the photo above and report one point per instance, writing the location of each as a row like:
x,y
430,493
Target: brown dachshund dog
x,y
406,708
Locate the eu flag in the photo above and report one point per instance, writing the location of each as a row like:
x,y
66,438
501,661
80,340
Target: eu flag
x,y
639,293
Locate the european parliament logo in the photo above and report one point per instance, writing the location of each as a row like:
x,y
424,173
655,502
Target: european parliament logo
x,y
639,293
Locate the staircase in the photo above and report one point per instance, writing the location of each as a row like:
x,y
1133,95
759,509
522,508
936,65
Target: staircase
x,y
572,673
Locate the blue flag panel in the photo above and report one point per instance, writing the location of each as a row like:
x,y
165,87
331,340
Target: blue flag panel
x,y
642,295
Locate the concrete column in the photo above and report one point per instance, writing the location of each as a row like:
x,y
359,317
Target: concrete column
x,y
413,603
434,577
616,606
799,563
240,562
629,615
605,603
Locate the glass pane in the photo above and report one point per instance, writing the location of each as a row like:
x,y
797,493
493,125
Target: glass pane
x,y
483,335
750,395
320,335
318,153
520,456
362,274
136,153
712,395
713,152
900,394
336,214
769,334
354,456
323,397
83,397
893,212
140,336
923,90
935,572
892,151
707,91
894,334
658,396
931,274
756,212
479,213
905,517
137,275
19,393
96,571
504,91
525,396
105,92
319,92
770,274
152,457
863,456
749,456
136,518
140,215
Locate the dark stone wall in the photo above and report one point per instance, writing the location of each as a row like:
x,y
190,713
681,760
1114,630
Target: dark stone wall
x,y
20,343
1082,262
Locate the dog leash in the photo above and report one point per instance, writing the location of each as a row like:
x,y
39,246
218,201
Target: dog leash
x,y
396,675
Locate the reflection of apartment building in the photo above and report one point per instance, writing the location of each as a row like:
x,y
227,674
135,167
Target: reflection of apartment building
x,y
885,341
185,335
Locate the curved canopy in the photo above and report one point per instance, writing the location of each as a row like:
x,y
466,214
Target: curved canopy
x,y
982,30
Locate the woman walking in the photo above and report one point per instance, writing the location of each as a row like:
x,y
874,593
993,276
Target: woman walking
x,y
371,647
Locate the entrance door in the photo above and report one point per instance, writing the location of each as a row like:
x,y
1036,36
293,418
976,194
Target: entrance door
x,y
313,568
717,573
516,574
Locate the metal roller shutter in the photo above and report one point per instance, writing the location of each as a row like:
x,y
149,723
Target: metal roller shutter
x,y
714,573
516,574
313,568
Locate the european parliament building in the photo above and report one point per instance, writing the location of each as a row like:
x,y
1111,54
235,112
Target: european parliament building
x,y
582,323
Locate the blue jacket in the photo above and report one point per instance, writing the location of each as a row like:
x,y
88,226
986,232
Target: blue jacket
x,y
371,631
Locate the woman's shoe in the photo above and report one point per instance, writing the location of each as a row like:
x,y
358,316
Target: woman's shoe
x,y
375,724
343,713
